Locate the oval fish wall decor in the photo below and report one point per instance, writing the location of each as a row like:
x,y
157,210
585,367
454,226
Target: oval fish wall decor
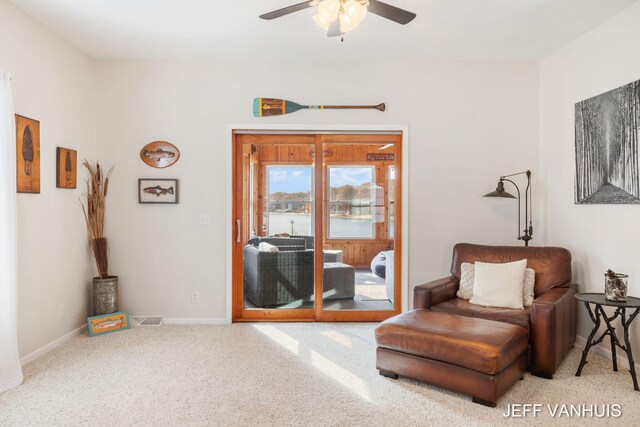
x,y
160,154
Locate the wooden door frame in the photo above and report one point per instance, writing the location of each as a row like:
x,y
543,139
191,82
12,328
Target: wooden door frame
x,y
323,130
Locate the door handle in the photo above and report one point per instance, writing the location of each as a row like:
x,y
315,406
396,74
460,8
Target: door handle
x,y
237,231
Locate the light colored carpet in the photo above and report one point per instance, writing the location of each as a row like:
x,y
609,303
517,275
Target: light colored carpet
x,y
272,374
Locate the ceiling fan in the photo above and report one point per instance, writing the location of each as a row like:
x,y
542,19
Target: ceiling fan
x,y
338,17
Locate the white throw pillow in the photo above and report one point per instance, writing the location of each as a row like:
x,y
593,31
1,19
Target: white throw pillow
x,y
499,285
267,247
467,276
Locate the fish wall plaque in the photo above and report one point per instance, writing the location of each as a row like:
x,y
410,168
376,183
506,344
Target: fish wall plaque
x,y
160,154
158,191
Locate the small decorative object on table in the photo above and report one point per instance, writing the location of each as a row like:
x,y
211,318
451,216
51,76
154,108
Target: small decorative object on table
x,y
615,286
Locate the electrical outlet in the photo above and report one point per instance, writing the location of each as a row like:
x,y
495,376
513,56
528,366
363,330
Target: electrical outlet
x,y
205,219
61,311
195,297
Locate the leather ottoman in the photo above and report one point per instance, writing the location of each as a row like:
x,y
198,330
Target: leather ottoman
x,y
479,357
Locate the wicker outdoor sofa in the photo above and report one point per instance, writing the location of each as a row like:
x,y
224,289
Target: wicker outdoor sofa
x,y
277,278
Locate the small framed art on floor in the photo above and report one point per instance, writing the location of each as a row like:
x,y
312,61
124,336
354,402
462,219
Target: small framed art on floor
x,y
107,323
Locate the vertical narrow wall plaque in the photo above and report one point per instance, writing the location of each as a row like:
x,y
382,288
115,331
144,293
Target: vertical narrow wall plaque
x,y
66,168
27,154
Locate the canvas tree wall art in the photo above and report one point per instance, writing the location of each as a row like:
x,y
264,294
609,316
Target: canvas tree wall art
x,y
607,127
27,155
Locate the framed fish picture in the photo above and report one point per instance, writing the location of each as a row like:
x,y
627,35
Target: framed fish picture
x,y
107,323
66,168
27,155
158,191
159,154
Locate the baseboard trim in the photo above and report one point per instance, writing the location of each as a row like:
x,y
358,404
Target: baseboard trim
x,y
53,344
606,352
195,321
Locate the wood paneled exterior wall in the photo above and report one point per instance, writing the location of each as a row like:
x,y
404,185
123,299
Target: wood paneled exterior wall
x,y
338,151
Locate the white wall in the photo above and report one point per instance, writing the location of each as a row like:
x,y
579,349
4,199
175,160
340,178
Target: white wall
x,y
599,236
51,83
469,123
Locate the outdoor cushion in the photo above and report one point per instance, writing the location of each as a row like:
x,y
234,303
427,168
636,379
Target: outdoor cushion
x,y
379,265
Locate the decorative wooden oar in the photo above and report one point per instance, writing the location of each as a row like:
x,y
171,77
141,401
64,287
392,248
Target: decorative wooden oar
x,y
278,107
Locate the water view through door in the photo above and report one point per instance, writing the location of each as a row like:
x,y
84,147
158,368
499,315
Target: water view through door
x,y
315,227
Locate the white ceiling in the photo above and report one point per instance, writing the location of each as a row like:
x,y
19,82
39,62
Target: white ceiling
x,y
444,29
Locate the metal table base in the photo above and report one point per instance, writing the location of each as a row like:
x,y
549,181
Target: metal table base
x,y
597,316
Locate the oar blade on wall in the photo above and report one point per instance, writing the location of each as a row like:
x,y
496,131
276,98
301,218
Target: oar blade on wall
x,y
274,107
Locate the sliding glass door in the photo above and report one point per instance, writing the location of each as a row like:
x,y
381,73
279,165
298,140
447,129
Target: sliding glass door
x,y
359,219
315,223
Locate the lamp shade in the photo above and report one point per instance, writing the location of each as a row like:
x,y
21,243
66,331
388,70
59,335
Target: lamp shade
x,y
500,192
504,194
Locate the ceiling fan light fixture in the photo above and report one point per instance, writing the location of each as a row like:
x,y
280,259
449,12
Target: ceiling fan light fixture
x,y
337,17
356,9
349,12
328,11
322,22
346,23
353,12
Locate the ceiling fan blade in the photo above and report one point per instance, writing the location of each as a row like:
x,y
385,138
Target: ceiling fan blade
x,y
287,10
334,29
393,13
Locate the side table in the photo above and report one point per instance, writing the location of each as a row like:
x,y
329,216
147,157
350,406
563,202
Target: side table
x,y
597,315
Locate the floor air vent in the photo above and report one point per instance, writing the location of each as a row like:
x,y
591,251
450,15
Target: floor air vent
x,y
148,321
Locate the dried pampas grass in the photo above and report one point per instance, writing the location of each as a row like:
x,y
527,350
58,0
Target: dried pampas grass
x,y
97,188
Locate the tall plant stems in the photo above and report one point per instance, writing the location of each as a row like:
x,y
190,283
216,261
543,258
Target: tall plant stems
x,y
97,188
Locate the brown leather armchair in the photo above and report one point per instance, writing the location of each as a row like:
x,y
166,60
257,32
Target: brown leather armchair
x,y
551,319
